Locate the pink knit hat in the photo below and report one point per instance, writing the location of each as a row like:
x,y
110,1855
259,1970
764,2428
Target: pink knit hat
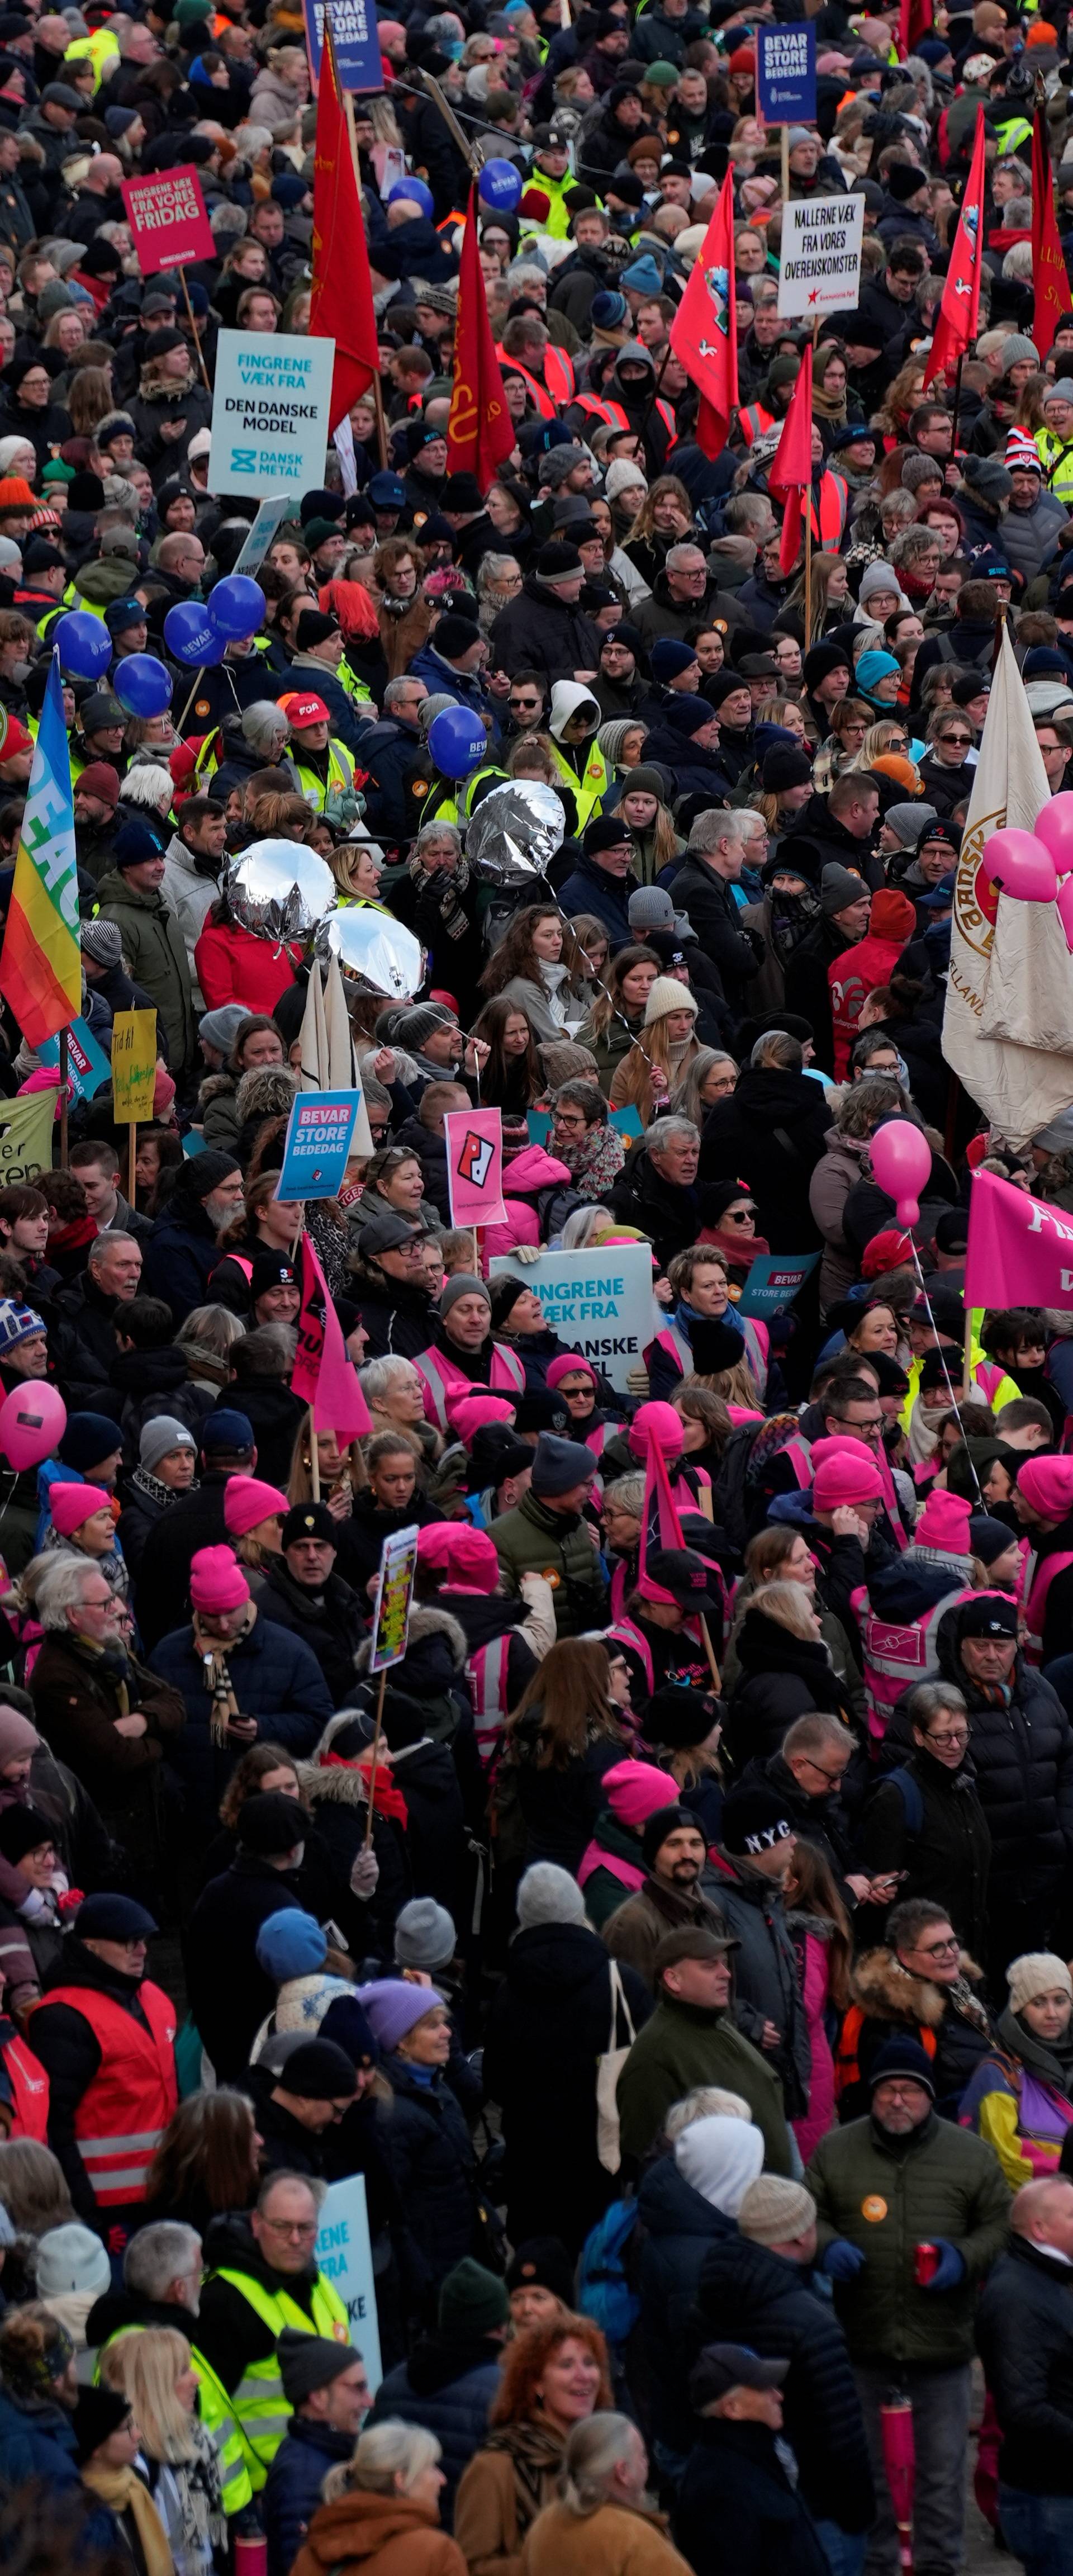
x,y
247,1502
71,1505
636,1790
465,1554
944,1523
565,1367
846,1479
657,1422
1047,1485
838,1444
216,1582
470,1413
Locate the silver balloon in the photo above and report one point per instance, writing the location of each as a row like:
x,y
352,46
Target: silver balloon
x,y
279,890
373,948
515,831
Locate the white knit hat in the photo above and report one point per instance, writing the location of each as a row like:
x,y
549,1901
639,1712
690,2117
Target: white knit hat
x,y
720,2157
667,994
1036,1973
621,475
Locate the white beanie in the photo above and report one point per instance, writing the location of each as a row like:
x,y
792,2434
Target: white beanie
x,y
1037,1972
667,995
720,2157
622,476
71,2258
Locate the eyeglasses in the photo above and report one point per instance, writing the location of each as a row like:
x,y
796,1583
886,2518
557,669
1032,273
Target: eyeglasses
x,y
525,706
292,2226
947,1743
939,1949
833,1776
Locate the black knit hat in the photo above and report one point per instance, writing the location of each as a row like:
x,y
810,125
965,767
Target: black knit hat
x,y
666,1820
308,2361
542,2262
556,559
309,1520
318,2071
270,1824
680,1718
22,1830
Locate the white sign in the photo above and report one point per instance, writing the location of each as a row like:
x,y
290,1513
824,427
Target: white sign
x,y
270,516
820,269
270,413
599,1303
344,2257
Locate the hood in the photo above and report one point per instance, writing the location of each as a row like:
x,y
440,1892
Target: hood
x,y
114,889
112,578
533,1169
886,1991
893,916
632,353
362,2526
426,1626
566,697
185,861
551,1958
668,2205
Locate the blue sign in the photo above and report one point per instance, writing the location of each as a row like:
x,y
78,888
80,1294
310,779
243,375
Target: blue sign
x,y
773,1283
87,1063
319,1135
786,74
357,42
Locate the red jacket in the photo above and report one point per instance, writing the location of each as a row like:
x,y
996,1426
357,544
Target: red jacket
x,y
861,970
232,966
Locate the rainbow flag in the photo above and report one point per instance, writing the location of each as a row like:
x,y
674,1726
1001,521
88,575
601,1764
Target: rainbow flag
x,y
40,960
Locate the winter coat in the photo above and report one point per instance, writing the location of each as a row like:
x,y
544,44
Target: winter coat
x,y
745,1135
782,1677
276,1416
1024,2330
558,1806
65,2042
699,891
590,889
292,2489
162,1592
837,1172
811,1940
549,2025
888,2196
634,1931
747,2294
536,1193
447,2386
947,1854
233,966
737,2509
37,2443
666,1210
76,1700
84,1346
431,2158
225,1922
685,2045
383,2535
275,1679
766,1984
188,890
1023,1760
659,614
616,2540
892,2002
1029,537
540,632
530,1540
677,2227
155,950
179,1261
331,1623
397,1317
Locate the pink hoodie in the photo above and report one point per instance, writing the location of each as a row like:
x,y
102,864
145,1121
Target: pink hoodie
x,y
530,1171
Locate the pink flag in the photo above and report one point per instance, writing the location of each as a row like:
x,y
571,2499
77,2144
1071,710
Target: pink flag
x,y
1020,1249
475,1166
323,1376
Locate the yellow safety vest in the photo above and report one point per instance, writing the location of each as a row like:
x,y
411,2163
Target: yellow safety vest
x,y
558,217
591,787
100,49
217,2413
441,804
488,769
261,2410
1056,458
340,775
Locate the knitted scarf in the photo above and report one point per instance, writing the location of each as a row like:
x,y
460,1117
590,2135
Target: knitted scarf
x,y
213,1659
142,1482
123,2492
195,2485
444,886
536,2453
593,1161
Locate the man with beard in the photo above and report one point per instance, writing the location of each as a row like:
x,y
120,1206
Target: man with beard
x,y
674,1852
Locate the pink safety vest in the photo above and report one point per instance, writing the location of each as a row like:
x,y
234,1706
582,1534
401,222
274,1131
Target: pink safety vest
x,y
1038,1577
756,1339
442,1378
486,1673
897,1652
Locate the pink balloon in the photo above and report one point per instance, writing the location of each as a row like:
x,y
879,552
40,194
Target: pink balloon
x,y
1054,827
1018,863
901,1158
1065,911
908,1212
32,1421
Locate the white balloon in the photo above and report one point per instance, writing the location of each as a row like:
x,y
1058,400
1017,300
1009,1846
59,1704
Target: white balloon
x,y
516,830
279,890
373,948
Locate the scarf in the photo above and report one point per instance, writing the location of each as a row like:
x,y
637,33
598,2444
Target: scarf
x,y
111,1565
123,2492
387,1800
444,887
593,1161
112,1661
737,1254
825,406
217,1677
1050,2059
143,1483
967,2005
536,2453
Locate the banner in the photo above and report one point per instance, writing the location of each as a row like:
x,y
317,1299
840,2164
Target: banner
x,y
168,222
773,1283
134,1051
600,1303
40,960
341,302
324,1375
271,401
344,2257
318,1144
1050,280
26,1137
394,1596
704,332
87,1063
1020,1249
820,263
357,43
786,74
475,1166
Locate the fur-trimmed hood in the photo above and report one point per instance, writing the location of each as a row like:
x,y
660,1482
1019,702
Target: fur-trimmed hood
x,y
267,1091
345,1786
216,1086
886,1991
424,1623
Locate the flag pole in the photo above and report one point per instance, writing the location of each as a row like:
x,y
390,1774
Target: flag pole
x,y
63,1100
347,97
194,332
132,1157
957,404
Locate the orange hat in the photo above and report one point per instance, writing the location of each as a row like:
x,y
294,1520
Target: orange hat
x,y
15,738
893,764
15,493
301,711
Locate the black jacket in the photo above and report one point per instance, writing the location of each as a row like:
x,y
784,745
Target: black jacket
x,y
641,1196
229,2331
228,2011
1023,1759
946,1855
708,901
431,2158
277,1417
539,632
817,840
807,989
736,2508
331,1622
771,1133
677,2228
749,2295
397,1318
1024,2329
549,2024
362,1536
163,1586
85,1349
766,1985
782,1677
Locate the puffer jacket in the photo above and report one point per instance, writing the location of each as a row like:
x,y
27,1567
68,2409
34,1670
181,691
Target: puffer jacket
x,y
888,2002
678,2229
431,2158
888,2196
766,1985
384,2535
448,2386
836,1174
292,2491
1023,1759
749,2295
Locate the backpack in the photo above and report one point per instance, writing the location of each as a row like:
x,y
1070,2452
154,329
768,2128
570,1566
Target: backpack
x,y
910,1794
730,1492
554,1204
604,2292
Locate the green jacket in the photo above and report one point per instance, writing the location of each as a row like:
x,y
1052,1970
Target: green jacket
x,y
533,1540
889,2196
685,2045
155,951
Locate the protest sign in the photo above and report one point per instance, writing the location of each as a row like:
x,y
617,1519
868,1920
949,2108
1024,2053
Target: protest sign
x,y
820,268
786,74
599,1302
26,1137
475,1166
133,1067
344,2257
270,411
270,516
357,42
773,1283
87,1063
318,1142
394,1594
1020,1249
168,221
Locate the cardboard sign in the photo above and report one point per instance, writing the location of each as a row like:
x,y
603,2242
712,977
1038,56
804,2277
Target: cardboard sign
x,y
318,1144
271,402
394,1594
87,1063
344,2257
475,1166
133,1067
599,1302
167,218
773,1283
786,74
357,42
820,268
26,1137
270,517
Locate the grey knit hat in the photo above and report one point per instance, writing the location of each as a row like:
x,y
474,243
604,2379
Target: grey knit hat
x,y
425,1935
911,822
160,1437
101,941
413,1027
838,889
775,2211
220,1028
463,1284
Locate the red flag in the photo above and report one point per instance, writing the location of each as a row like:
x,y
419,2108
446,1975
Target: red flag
x,y
959,312
480,431
704,332
916,20
341,302
791,471
1049,276
323,1376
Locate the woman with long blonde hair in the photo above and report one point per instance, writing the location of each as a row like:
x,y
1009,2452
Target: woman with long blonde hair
x,y
154,2369
662,1055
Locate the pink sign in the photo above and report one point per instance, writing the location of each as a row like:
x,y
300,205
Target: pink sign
x,y
475,1166
168,222
1020,1248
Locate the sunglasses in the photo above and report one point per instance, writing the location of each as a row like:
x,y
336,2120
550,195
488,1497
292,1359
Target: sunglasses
x,y
961,741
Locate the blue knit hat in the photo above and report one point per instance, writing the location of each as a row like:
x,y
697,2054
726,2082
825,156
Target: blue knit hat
x,y
89,1437
608,310
873,667
670,657
291,1944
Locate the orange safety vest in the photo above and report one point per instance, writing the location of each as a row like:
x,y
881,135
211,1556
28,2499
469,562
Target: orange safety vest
x,y
559,386
832,515
847,2069
754,422
611,412
30,2092
121,2115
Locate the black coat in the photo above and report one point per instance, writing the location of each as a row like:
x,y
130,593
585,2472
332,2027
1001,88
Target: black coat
x,y
361,1537
431,2158
228,2010
397,1318
162,1591
539,632
549,2024
749,2295
817,840
807,989
1023,1760
708,901
642,1197
1024,2329
331,1623
782,1677
743,1138
947,1855
677,2228
277,1417
85,1349
766,1982
736,2508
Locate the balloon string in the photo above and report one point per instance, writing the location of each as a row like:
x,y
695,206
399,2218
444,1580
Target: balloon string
x,y
945,1370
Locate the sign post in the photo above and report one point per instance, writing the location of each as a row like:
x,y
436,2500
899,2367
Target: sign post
x,y
169,225
270,413
391,1628
133,1078
786,74
820,265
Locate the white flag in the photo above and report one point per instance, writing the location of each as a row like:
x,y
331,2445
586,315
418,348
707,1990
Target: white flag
x,y
327,1060
1008,1022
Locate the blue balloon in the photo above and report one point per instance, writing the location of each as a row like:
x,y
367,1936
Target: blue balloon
x,y
142,685
84,642
500,185
235,607
416,194
457,741
188,634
